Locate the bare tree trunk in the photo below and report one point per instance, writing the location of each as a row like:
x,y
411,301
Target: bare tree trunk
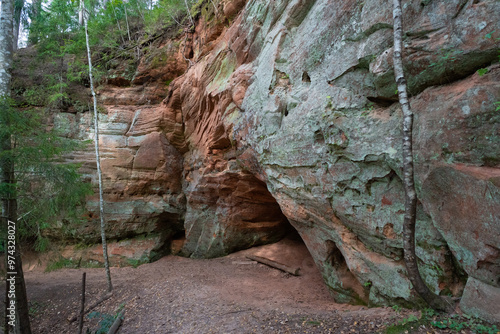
x,y
215,7
80,13
189,13
98,160
126,20
409,224
6,24
18,8
140,11
18,319
118,23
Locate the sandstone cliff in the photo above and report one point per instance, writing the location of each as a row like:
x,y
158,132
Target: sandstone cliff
x,y
286,114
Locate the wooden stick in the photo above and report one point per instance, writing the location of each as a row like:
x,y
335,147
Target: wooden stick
x,y
116,324
274,264
91,307
82,308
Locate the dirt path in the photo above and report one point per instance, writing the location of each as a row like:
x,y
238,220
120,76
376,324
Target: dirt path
x,y
224,295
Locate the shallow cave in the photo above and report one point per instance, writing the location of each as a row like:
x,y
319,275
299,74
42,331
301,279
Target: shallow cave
x,y
240,205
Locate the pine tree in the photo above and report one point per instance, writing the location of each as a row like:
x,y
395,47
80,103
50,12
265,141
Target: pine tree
x,y
18,300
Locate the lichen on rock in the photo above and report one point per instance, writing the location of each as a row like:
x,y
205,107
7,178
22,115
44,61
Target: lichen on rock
x,y
289,116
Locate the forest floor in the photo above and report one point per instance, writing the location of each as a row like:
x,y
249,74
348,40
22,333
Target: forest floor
x,y
231,294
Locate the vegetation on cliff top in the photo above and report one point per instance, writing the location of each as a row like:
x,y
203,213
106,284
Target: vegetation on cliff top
x,y
53,72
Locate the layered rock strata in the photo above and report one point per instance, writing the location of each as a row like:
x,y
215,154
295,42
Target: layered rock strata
x,y
290,114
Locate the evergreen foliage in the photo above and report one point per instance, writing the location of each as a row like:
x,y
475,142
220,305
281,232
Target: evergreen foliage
x,y
48,189
165,13
55,29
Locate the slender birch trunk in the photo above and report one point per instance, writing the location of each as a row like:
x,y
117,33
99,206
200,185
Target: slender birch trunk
x,y
410,258
189,13
6,44
18,8
118,23
17,320
126,20
215,7
98,160
140,11
80,13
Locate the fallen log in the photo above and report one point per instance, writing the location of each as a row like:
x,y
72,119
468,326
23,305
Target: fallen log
x,y
91,307
274,264
116,324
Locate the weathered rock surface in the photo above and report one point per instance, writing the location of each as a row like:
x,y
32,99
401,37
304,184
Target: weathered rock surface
x,y
142,175
121,253
291,114
481,300
320,119
464,202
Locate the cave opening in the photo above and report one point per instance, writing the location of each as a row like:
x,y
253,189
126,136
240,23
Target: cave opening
x,y
177,242
290,251
234,216
283,243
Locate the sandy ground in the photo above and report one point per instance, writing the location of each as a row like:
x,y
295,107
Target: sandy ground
x,y
224,295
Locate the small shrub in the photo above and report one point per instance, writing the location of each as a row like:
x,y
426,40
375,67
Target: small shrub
x,y
429,318
397,308
104,324
482,71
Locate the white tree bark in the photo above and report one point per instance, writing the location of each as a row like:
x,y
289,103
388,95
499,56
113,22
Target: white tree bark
x,y
215,7
18,8
409,224
189,13
126,20
6,26
98,160
80,13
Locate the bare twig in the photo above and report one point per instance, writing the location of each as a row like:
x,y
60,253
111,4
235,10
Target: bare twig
x,y
173,18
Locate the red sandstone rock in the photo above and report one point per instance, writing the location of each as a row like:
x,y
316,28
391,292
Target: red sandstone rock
x,y
289,113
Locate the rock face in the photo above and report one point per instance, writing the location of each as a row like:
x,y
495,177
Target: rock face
x,y
290,114
481,300
320,119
